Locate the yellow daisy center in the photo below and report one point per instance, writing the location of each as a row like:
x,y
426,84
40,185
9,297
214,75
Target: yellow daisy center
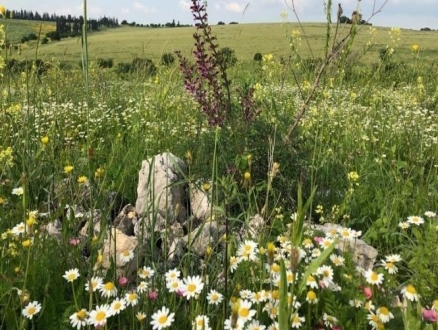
x,y
191,287
100,316
410,288
243,312
109,286
384,311
162,319
81,315
31,310
374,277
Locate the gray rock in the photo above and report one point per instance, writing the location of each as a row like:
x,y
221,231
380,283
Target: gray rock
x,y
161,188
126,220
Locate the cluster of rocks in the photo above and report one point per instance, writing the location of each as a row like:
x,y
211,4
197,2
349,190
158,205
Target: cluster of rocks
x,y
169,218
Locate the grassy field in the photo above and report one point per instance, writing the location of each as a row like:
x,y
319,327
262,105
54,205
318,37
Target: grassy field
x,y
125,43
363,156
16,29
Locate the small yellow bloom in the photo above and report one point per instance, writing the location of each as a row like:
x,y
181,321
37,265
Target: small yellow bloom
x,y
206,186
68,169
189,157
82,179
27,243
31,221
99,173
45,140
247,177
3,11
17,269
415,48
2,201
208,250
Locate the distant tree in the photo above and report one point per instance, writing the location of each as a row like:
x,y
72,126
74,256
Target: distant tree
x,y
220,23
234,23
124,22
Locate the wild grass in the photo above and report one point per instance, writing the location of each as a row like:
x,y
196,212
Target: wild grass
x,y
364,156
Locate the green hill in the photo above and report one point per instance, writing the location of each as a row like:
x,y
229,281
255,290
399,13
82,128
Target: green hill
x,y
125,43
16,29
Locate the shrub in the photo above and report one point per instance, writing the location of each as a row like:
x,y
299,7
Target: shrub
x,y
143,66
53,35
234,23
105,63
227,56
258,57
24,39
123,68
44,41
426,29
32,36
221,23
167,59
345,20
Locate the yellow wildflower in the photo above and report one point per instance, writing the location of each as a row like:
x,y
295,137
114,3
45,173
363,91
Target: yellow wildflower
x,y
82,179
45,140
68,169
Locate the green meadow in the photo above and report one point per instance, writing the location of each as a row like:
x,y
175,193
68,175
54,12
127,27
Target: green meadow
x,y
312,131
125,43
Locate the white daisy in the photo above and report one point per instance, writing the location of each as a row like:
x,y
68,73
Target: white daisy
x,y
126,256
79,319
255,325
162,319
410,292
96,284
337,260
214,297
327,274
415,220
131,298
297,320
393,258
71,275
174,285
404,225
245,312
19,229
311,282
384,314
31,309
108,290
146,272
430,214
192,286
99,316
201,323
172,274
142,287
117,306
329,320
373,278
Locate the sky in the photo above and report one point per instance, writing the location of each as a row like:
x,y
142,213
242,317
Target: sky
x,y
409,14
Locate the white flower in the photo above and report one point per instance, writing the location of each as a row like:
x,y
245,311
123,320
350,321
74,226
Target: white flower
x,y
384,314
108,290
162,318
430,214
373,278
329,320
415,220
99,316
327,274
126,256
146,272
248,250
117,306
410,293
393,258
172,274
131,298
192,286
234,262
19,229
245,312
201,323
404,225
297,320
214,297
255,325
311,282
356,303
79,319
71,275
31,309
337,260
174,285
96,284
17,191
142,287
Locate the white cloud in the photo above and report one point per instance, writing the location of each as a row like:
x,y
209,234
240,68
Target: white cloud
x,y
147,10
185,5
234,7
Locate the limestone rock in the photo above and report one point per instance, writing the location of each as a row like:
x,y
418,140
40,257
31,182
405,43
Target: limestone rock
x,y
200,204
161,188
